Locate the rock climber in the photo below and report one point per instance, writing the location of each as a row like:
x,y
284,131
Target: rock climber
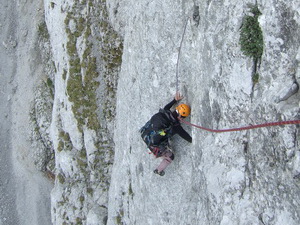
x,y
161,127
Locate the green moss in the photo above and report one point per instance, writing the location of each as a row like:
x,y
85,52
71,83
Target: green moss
x,y
251,40
64,142
88,31
119,217
90,191
80,26
82,154
255,78
82,79
67,21
64,136
79,221
60,146
82,82
112,58
51,87
81,87
119,220
61,178
64,75
52,4
43,30
82,163
71,47
130,191
81,198
251,36
50,83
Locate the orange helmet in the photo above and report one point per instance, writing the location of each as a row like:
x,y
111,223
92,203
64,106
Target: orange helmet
x,y
183,110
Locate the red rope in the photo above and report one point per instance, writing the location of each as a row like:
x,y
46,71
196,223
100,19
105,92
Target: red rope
x,y
272,124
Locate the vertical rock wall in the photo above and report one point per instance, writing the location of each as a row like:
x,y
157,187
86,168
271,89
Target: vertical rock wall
x,y
247,177
87,55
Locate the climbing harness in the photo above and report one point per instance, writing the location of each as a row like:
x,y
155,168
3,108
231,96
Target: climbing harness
x,y
154,150
272,124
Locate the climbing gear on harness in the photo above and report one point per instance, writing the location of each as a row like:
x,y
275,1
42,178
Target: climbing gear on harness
x,y
158,129
162,133
153,137
155,151
161,173
159,150
289,122
183,110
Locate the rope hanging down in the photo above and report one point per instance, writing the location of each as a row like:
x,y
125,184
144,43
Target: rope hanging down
x,y
179,51
272,124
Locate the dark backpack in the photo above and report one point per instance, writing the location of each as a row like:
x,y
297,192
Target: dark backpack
x,y
158,129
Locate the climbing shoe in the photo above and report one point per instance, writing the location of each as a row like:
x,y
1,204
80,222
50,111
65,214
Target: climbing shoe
x,y
161,173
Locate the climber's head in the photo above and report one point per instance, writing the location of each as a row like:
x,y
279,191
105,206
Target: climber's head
x,y
183,110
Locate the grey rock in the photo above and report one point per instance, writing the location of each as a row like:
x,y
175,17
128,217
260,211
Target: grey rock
x,y
106,176
288,92
217,179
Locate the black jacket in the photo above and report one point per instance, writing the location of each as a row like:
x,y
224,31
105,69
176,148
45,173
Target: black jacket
x,y
170,118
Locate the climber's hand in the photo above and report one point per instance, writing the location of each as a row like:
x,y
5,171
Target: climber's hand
x,y
178,96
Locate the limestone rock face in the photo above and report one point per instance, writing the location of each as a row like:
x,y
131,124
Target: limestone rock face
x,y
86,53
80,78
117,62
246,177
